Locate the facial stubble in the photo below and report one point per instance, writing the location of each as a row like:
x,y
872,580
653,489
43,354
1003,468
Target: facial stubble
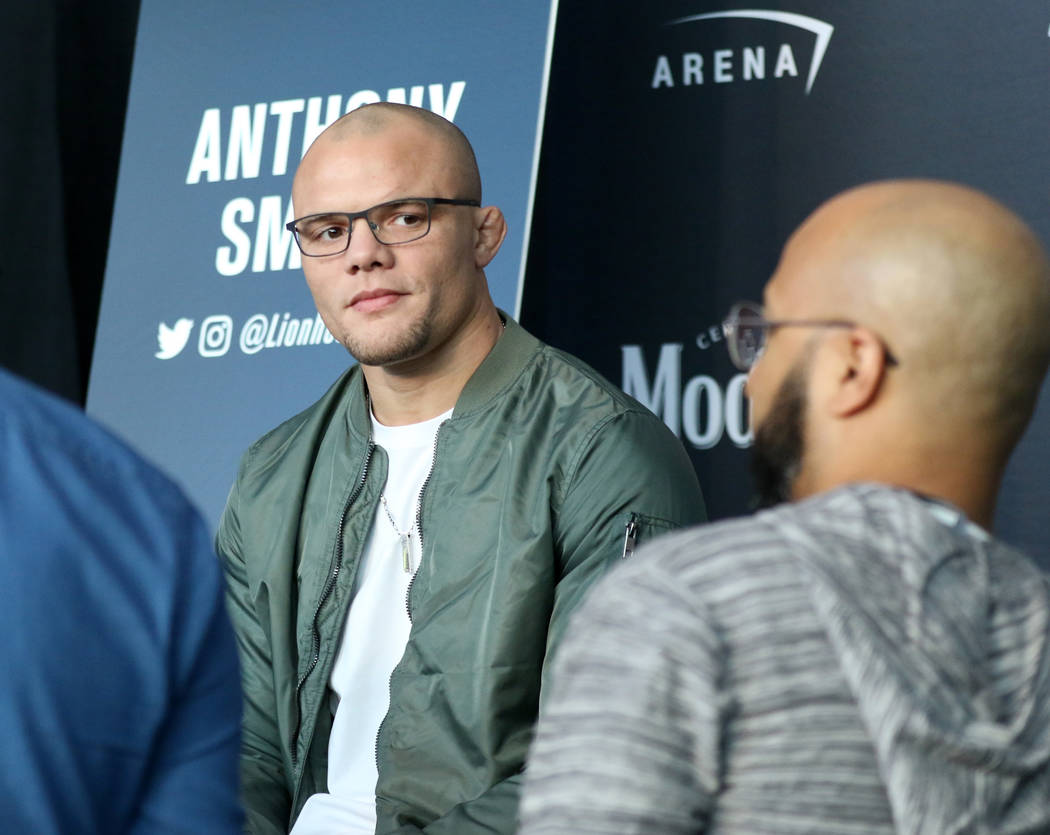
x,y
408,344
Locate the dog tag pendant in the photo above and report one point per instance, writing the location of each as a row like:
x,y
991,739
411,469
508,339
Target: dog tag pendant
x,y
406,553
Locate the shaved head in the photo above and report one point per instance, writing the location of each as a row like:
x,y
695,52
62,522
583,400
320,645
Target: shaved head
x,y
374,119
412,311
955,283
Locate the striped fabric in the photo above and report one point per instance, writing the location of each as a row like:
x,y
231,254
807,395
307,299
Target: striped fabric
x,y
849,664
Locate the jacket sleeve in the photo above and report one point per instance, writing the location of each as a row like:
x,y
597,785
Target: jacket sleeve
x,y
629,739
630,482
629,468
264,790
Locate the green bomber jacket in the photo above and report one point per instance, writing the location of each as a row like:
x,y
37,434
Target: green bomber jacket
x,y
544,476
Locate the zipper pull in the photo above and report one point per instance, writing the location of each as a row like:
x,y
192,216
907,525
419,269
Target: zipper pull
x,y
630,538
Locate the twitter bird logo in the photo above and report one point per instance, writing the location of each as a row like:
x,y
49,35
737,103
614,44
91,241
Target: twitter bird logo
x,y
172,340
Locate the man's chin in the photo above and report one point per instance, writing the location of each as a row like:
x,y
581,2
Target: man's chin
x,y
389,353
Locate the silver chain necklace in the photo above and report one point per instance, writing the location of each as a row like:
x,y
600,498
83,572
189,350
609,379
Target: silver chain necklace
x,y
404,536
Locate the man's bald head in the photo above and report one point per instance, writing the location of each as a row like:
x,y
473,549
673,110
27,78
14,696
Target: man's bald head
x,y
374,119
957,286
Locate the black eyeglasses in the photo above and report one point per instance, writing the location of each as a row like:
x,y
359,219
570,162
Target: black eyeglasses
x,y
747,330
394,222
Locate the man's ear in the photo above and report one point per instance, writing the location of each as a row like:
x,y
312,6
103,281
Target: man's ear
x,y
490,228
860,359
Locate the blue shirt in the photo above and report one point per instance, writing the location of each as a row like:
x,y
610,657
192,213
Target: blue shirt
x,y
120,697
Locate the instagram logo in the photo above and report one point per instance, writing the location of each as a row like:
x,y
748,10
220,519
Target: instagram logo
x,y
215,334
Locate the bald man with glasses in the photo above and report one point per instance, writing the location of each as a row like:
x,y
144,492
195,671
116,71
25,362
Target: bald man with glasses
x,y
864,656
402,556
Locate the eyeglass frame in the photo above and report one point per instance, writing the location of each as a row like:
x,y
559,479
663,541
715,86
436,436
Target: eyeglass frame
x,y
733,321
352,216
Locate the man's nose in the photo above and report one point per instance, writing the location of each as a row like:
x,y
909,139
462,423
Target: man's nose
x,y
364,251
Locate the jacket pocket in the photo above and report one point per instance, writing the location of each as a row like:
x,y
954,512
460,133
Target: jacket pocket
x,y
640,528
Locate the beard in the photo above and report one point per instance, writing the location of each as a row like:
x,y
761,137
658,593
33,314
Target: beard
x,y
776,457
408,344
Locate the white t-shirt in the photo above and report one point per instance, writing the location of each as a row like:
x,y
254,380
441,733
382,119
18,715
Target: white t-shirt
x,y
374,637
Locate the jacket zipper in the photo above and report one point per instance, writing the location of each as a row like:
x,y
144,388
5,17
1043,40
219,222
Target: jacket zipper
x,y
329,585
419,519
630,538
408,591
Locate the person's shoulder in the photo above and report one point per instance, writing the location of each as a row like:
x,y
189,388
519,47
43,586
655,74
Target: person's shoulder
x,y
711,552
47,433
40,415
889,525
689,569
313,419
767,537
592,413
67,479
563,367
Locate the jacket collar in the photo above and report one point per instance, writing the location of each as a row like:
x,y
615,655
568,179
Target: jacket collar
x,y
507,359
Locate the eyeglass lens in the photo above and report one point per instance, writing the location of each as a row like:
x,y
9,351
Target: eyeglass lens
x,y
391,223
749,336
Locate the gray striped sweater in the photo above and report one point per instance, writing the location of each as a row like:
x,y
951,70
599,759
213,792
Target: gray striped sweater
x,y
861,662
